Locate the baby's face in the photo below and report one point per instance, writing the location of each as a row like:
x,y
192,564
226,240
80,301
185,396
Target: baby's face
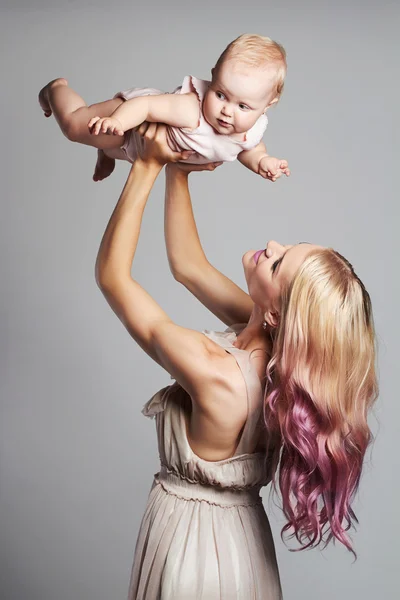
x,y
237,96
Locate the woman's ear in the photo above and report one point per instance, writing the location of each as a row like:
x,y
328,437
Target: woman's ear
x,y
272,318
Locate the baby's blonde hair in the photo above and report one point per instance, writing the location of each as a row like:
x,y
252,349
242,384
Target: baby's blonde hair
x,y
257,51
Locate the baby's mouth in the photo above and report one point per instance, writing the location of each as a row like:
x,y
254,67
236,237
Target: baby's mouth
x,y
223,123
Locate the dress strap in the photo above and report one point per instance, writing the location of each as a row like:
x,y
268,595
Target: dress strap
x,y
225,339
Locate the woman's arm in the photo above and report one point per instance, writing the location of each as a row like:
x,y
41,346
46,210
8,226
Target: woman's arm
x,y
177,110
187,260
186,354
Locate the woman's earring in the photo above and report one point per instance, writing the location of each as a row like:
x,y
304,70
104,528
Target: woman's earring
x,y
265,325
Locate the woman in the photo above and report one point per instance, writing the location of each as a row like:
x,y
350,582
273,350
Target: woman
x,y
286,394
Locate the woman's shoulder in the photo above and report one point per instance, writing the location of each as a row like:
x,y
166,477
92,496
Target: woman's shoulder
x,y
224,375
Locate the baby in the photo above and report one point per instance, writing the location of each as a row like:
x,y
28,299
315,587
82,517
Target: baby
x,y
218,120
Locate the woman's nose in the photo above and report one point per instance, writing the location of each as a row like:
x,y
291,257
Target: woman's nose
x,y
274,247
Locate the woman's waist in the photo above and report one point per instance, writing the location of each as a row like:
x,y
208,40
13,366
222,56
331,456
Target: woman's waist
x,y
177,484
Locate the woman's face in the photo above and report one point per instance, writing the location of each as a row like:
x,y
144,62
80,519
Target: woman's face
x,y
269,271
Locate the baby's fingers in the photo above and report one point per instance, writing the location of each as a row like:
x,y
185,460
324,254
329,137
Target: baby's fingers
x,y
106,126
92,122
273,169
97,126
285,168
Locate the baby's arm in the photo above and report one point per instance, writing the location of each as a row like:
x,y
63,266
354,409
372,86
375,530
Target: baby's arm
x,y
177,110
258,160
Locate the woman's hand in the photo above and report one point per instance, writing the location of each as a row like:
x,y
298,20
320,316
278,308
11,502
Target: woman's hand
x,y
155,148
188,167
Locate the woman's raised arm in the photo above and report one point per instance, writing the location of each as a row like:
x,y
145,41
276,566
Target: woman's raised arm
x,y
190,357
187,260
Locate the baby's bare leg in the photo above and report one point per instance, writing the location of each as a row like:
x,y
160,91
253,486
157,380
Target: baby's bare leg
x,y
73,115
105,165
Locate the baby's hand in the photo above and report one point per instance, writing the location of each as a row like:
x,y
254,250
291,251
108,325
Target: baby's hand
x,y
109,125
272,168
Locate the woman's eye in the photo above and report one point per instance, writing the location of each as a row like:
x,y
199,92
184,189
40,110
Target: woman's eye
x,y
275,265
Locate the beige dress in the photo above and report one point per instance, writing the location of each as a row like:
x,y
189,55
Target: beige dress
x,y
204,534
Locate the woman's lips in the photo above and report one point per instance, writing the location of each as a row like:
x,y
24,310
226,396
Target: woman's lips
x,y
257,255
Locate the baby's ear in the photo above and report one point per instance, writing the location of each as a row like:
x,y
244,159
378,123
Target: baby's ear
x,y
212,72
274,101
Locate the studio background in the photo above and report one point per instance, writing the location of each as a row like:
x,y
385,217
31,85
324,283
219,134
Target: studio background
x,y
76,456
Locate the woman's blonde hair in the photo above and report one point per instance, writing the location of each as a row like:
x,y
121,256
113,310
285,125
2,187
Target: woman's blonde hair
x,y
321,385
258,52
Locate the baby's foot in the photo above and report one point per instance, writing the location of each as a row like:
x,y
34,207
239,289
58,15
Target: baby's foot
x,y
43,95
104,166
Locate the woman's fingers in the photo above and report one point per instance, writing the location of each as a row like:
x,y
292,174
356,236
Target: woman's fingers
x,y
152,131
189,167
214,165
155,144
143,127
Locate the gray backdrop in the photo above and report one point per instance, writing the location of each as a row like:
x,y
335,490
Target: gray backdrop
x,y
77,456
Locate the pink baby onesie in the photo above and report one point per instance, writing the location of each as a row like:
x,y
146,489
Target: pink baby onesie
x,y
208,145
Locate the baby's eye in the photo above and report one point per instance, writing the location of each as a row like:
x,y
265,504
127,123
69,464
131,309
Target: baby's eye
x,y
220,95
244,107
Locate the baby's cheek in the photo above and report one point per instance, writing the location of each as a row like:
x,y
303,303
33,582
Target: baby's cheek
x,y
251,118
208,109
243,122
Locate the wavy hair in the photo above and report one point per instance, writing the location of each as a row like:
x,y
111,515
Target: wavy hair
x,y
321,383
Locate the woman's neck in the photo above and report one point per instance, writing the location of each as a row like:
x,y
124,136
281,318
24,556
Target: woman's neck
x,y
254,336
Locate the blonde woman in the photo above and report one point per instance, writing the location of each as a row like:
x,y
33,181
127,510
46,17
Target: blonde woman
x,y
282,397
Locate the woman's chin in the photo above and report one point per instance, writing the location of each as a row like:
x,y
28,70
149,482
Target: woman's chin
x,y
247,256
